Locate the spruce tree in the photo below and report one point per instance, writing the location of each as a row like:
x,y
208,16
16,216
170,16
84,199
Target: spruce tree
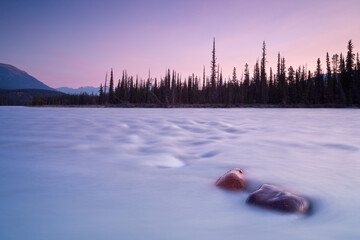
x,y
283,83
105,94
263,80
350,57
246,84
292,87
330,83
271,87
111,88
319,84
213,74
278,84
297,85
335,64
343,81
349,82
257,83
101,94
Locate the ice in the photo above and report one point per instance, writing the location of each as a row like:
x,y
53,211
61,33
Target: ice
x,y
113,173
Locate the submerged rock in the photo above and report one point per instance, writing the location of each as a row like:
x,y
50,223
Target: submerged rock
x,y
275,197
232,180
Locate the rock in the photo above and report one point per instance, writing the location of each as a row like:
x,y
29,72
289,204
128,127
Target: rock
x,y
232,180
276,198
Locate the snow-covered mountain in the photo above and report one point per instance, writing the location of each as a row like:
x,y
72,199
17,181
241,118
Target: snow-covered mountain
x,y
88,90
14,78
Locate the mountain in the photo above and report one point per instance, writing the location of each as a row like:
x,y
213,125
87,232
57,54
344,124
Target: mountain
x,y
14,78
88,90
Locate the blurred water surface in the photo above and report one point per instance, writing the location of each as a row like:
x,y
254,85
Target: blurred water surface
x,y
94,173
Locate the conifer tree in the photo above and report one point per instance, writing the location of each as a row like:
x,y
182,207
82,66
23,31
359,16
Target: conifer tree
x,y
343,81
246,84
349,82
283,84
111,88
105,93
221,87
319,84
257,83
213,74
263,80
330,83
350,57
292,87
303,89
101,94
297,85
278,83
335,64
271,87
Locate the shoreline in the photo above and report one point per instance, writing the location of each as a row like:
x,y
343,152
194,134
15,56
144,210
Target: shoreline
x,y
196,106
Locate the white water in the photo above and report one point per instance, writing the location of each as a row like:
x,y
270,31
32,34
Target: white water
x,y
70,173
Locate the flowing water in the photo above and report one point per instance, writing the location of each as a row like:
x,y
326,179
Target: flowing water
x,y
112,173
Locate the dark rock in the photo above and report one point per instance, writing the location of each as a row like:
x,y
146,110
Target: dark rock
x,y
277,198
232,180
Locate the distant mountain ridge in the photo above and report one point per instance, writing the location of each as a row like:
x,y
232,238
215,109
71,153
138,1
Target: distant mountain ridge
x,y
88,90
14,78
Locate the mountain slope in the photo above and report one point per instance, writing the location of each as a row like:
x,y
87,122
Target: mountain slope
x,y
14,78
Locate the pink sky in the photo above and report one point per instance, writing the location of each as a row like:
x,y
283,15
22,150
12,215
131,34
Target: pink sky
x,y
72,44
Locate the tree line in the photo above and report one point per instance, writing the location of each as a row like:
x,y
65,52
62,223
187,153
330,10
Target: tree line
x,y
337,85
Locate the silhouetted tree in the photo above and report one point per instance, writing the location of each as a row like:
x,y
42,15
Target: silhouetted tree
x,y
330,82
213,74
319,84
292,86
111,88
263,80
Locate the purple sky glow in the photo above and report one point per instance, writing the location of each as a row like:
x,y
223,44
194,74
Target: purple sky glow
x,y
74,43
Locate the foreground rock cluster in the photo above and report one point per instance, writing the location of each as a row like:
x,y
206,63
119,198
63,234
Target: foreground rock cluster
x,y
267,196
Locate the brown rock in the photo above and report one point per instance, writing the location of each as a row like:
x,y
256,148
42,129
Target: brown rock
x,y
232,180
275,197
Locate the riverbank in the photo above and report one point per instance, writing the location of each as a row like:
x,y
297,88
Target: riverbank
x,y
130,105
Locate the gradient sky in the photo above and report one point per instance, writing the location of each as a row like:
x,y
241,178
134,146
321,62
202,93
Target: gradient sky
x,y
74,43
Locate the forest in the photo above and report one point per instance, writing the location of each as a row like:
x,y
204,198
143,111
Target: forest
x,y
337,85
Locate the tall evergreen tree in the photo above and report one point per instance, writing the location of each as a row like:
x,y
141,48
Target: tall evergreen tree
x,y
283,86
101,94
105,92
246,84
278,84
335,64
330,82
319,84
111,88
350,57
213,74
271,87
292,86
263,80
343,81
257,83
349,82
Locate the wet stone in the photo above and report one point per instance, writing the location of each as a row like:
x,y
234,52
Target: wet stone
x,y
233,180
277,198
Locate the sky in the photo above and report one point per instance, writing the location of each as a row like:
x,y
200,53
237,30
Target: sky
x,y
75,43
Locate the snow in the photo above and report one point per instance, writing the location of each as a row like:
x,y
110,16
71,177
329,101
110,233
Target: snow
x,y
94,173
